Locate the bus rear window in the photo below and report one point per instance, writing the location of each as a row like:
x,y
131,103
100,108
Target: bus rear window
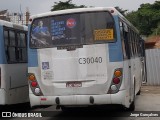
x,y
72,29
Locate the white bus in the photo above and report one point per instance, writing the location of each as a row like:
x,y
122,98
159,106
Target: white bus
x,y
83,57
13,63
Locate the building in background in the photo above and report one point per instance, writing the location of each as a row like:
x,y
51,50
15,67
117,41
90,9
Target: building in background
x,y
18,18
152,42
4,15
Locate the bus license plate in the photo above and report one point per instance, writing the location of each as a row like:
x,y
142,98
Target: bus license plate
x,y
74,84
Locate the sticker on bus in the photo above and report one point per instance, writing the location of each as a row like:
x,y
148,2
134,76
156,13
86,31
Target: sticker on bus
x,y
103,34
45,65
48,75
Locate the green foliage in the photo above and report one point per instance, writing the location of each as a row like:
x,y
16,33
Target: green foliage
x,y
146,18
65,5
132,17
156,31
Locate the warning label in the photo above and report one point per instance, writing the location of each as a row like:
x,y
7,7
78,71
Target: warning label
x,y
103,34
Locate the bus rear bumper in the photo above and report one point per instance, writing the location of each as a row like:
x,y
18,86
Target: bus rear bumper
x,y
79,100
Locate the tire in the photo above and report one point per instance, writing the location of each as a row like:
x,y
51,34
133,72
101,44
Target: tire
x,y
132,105
139,92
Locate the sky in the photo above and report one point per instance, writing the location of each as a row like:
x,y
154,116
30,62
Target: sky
x,y
41,6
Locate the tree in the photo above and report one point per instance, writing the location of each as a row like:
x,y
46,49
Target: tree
x,y
65,5
156,31
132,17
146,18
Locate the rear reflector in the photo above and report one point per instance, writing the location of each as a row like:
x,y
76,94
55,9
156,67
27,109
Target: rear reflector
x,y
43,99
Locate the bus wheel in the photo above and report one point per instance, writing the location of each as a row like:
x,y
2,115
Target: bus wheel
x,y
139,92
132,105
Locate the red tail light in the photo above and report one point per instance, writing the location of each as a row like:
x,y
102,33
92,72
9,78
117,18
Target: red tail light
x,y
34,84
116,80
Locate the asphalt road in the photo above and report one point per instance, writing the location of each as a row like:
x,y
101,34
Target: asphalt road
x,y
146,103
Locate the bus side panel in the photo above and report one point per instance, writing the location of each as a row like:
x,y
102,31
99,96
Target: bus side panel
x,y
3,97
2,61
14,83
2,49
136,72
115,49
32,53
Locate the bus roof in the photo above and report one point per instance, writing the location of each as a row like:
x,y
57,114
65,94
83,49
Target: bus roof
x,y
13,25
77,10
112,10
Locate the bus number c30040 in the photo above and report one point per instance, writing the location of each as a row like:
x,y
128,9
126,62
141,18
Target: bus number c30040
x,y
90,60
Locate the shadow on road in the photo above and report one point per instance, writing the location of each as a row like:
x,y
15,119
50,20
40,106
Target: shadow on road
x,y
99,112
15,107
109,112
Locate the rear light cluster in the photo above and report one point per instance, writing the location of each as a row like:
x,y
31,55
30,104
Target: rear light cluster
x,y
116,81
34,85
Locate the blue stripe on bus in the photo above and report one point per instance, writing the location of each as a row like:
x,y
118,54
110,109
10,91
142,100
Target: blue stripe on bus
x,y
32,54
115,49
32,58
2,48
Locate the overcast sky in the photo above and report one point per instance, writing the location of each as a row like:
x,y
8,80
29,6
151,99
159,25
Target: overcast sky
x,y
40,6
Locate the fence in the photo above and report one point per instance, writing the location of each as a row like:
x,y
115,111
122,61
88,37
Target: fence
x,y
153,66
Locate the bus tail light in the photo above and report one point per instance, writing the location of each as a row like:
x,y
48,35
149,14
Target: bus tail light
x,y
34,85
32,77
116,81
37,91
113,87
117,73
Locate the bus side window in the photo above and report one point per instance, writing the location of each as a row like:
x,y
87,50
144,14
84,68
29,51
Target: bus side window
x,y
6,41
130,37
11,47
21,47
12,55
15,42
125,40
